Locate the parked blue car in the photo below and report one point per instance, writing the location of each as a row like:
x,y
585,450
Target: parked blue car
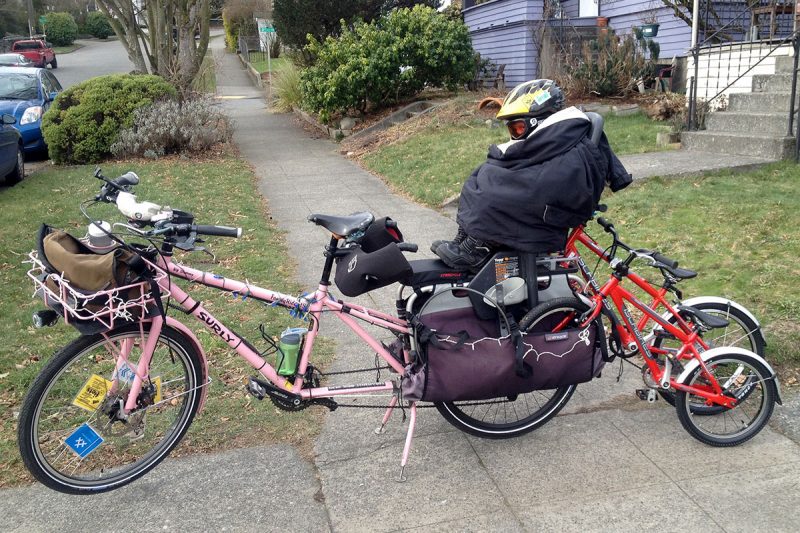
x,y
26,93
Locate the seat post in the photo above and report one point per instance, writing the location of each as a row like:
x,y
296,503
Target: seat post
x,y
330,255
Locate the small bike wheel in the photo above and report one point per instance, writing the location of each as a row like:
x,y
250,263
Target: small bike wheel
x,y
72,436
741,332
740,376
504,418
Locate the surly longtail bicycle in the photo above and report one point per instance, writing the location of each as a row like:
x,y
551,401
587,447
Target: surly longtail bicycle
x,y
113,403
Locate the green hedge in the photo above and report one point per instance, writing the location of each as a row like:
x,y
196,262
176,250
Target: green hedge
x,y
97,25
391,58
86,119
61,28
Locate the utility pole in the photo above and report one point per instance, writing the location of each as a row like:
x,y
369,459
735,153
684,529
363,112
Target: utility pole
x,y
31,17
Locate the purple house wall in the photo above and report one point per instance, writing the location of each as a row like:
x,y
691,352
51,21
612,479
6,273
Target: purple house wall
x,y
502,30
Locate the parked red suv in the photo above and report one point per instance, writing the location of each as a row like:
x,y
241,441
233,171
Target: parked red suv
x,y
37,51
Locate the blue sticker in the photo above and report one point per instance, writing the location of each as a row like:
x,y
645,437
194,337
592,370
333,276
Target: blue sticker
x,y
125,374
84,440
541,96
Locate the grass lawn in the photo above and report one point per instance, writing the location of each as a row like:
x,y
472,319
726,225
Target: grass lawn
x,y
432,164
221,191
206,80
67,49
260,64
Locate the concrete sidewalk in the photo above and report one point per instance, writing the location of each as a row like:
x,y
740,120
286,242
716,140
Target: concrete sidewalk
x,y
608,463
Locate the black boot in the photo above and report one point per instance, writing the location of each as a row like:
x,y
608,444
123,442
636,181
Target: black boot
x,y
471,254
460,236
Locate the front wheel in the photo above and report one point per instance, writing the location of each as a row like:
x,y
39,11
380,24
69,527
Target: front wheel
x,y
504,418
72,434
54,63
740,376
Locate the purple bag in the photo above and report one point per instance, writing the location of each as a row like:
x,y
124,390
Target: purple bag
x,y
472,362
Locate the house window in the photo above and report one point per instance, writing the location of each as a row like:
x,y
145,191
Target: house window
x,y
589,8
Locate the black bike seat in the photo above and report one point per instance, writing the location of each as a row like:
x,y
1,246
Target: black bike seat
x,y
434,271
680,273
712,321
344,226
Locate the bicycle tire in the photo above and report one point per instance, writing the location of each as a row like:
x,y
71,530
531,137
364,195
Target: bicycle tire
x,y
553,400
52,409
749,339
754,387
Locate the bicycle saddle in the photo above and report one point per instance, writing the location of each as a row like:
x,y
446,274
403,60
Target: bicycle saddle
x,y
343,226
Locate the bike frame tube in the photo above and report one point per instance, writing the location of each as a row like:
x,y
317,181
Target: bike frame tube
x,y
578,234
314,304
619,295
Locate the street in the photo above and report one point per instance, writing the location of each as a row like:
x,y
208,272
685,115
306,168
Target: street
x,y
94,59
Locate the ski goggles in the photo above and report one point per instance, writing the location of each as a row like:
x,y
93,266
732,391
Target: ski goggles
x,y
519,128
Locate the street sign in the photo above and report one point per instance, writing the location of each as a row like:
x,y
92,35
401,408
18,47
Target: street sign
x,y
42,20
267,29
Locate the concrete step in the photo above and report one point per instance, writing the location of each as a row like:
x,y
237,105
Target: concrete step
x,y
768,147
760,102
772,83
739,122
784,63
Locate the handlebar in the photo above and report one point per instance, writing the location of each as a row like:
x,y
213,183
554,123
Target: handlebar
x,y
167,221
407,246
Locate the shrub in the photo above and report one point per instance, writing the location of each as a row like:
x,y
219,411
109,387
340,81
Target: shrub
x,y
286,87
61,28
170,127
237,19
388,59
85,120
97,25
612,65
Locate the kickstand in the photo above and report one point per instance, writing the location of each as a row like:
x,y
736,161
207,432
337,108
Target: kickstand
x,y
409,437
380,430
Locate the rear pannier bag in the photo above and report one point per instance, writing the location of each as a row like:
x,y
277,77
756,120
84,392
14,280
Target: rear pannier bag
x,y
359,272
466,359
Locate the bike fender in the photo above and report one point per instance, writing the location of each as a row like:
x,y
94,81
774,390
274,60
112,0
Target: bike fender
x,y
724,350
725,301
174,324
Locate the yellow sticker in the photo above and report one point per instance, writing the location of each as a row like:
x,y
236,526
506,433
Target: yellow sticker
x,y
157,383
287,385
92,393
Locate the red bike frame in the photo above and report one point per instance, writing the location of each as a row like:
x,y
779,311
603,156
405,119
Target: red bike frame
x,y
662,375
578,235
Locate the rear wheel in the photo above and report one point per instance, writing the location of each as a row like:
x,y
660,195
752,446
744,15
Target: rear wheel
x,y
72,435
741,332
741,377
18,173
503,418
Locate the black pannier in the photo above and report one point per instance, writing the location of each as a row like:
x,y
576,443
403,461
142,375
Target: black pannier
x,y
465,357
359,272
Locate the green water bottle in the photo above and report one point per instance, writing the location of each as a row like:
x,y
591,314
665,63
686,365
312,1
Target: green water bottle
x,y
289,351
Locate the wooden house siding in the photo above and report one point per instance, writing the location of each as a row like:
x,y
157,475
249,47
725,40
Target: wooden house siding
x,y
502,31
674,35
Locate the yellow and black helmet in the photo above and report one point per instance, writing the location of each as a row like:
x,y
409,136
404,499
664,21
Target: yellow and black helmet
x,y
533,99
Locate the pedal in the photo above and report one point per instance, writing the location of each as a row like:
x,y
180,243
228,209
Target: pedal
x,y
255,388
647,394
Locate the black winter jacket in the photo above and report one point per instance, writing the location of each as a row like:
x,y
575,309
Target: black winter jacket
x,y
528,193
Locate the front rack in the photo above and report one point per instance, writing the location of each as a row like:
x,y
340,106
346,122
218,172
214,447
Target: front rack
x,y
104,308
